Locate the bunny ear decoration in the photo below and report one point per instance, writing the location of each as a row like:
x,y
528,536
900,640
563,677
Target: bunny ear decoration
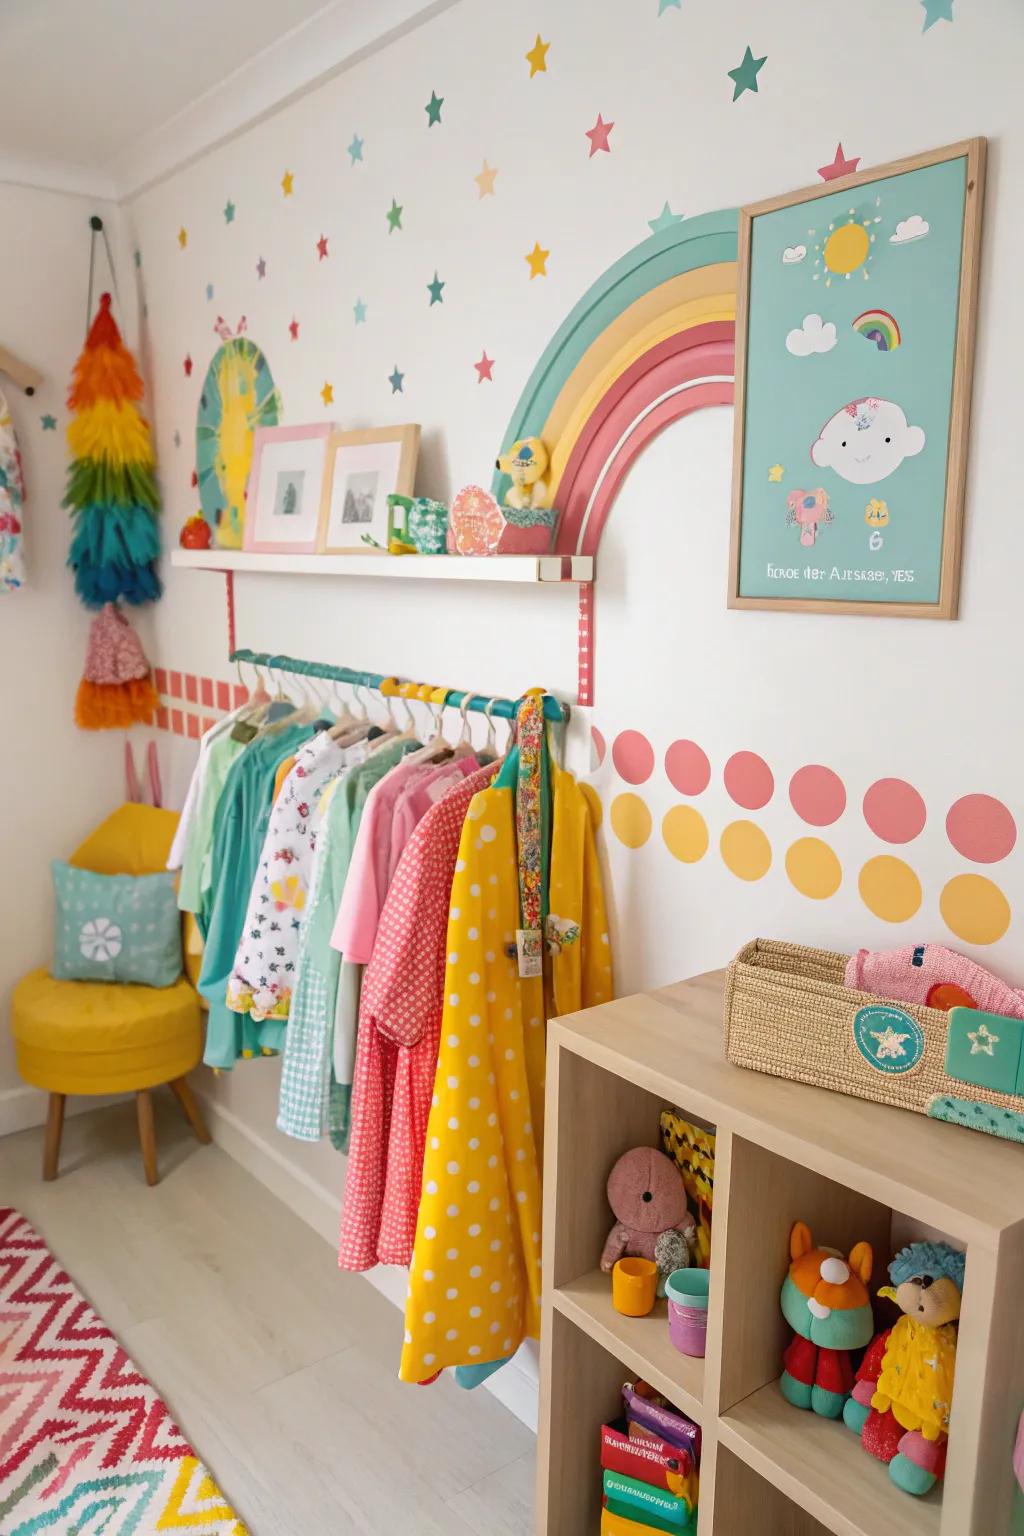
x,y
117,689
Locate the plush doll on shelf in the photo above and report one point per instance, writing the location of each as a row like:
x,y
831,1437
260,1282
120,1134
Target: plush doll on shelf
x,y
902,1395
652,1220
825,1301
525,464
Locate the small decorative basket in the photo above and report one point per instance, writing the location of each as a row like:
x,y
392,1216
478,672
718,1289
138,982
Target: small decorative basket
x,y
419,521
789,1013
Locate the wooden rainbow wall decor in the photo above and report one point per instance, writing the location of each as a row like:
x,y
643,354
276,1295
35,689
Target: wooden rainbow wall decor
x,y
652,340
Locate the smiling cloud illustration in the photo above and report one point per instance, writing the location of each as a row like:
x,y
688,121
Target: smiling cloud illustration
x,y
815,335
914,228
866,441
793,254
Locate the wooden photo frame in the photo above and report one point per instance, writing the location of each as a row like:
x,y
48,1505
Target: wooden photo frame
x,y
363,470
283,497
855,329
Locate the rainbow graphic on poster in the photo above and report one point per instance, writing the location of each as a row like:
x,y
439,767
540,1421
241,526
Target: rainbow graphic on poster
x,y
878,326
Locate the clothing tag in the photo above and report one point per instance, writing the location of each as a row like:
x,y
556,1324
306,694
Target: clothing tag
x,y
244,732
531,951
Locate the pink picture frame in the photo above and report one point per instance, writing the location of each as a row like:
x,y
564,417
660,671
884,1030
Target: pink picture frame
x,y
283,496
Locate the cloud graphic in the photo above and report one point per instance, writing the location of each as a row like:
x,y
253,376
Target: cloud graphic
x,y
814,335
792,254
867,441
914,228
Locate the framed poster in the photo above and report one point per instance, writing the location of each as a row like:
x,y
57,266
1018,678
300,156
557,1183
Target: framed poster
x,y
283,498
363,470
854,356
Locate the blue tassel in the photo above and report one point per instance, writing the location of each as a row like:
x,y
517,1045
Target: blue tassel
x,y
113,555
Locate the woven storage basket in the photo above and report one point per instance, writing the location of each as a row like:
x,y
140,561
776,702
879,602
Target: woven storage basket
x,y
788,1013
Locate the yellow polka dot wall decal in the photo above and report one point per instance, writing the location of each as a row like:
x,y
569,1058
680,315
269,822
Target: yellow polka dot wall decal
x,y
975,909
631,820
686,834
746,850
593,799
890,889
813,868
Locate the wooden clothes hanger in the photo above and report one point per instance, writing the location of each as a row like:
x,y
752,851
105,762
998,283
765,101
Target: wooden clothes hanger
x,y
26,377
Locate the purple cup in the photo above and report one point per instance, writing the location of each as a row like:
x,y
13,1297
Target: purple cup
x,y
687,1292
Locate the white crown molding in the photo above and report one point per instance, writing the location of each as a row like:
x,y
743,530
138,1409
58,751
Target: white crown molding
x,y
59,176
333,40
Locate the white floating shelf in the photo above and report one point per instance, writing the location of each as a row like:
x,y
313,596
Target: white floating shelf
x,y
530,569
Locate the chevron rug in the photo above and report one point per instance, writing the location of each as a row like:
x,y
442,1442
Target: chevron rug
x,y
87,1447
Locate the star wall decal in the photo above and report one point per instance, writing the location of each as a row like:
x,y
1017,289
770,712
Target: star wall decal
x,y
261,268
776,473
433,109
182,237
396,380
394,217
229,212
538,261
537,58
287,183
355,149
48,423
485,179
187,365
321,247
359,310
137,258
982,1041
435,289
598,136
669,5
484,368
327,393
209,292
665,220
936,10
840,166
177,438
744,76
293,329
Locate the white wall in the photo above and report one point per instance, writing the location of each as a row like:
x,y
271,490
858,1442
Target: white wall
x,y
56,782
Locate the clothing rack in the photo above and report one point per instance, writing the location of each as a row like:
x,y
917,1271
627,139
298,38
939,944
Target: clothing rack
x,y
402,688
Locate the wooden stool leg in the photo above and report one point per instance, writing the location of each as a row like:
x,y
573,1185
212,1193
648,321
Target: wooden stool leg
x,y
54,1128
193,1114
147,1134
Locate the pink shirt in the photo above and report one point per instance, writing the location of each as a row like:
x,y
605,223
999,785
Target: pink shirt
x,y
416,799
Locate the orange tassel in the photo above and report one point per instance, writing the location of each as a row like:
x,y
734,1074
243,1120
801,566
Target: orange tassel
x,y
105,368
115,706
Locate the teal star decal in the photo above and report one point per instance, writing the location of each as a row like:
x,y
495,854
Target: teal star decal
x,y
359,310
433,109
936,10
745,74
209,292
138,258
229,212
665,220
394,217
434,289
396,381
668,5
49,423
355,149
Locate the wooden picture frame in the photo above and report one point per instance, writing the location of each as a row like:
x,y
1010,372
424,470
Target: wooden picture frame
x,y
363,469
867,199
284,493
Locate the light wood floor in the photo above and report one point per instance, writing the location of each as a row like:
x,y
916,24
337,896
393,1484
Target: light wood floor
x,y
280,1369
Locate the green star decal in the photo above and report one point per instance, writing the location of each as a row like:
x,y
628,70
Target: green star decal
x,y
396,381
355,149
936,10
433,109
394,217
665,220
669,5
359,310
49,423
229,212
434,289
745,74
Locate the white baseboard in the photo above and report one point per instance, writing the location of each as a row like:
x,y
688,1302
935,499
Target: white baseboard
x,y
515,1385
22,1108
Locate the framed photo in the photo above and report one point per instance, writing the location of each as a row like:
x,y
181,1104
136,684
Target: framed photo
x,y
363,470
282,504
854,359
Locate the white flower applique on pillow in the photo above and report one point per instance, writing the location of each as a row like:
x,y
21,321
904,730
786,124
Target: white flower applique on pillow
x,y
100,939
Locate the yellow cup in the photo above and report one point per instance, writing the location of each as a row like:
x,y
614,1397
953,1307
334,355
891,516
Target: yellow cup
x,y
634,1286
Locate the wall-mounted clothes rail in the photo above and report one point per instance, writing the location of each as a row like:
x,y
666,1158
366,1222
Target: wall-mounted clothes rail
x,y
399,687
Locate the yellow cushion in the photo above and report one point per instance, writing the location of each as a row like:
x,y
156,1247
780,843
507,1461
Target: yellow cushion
x,y
134,840
98,1037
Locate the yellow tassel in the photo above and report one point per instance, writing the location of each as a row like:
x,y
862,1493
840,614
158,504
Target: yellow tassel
x,y
112,432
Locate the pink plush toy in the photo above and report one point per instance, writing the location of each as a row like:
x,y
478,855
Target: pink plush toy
x,y
645,1191
932,974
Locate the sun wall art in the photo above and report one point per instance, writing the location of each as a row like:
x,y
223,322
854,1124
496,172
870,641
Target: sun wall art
x,y
238,395
855,334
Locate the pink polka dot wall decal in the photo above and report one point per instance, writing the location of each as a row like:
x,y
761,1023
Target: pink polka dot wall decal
x,y
687,767
748,780
981,828
598,747
633,757
817,795
894,810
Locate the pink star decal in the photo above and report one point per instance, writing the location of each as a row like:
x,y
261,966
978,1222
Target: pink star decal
x,y
598,136
187,365
293,330
840,166
484,367
321,246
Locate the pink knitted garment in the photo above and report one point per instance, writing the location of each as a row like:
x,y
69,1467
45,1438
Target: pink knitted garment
x,y
908,975
114,654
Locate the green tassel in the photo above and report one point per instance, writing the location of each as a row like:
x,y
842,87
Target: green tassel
x,y
93,481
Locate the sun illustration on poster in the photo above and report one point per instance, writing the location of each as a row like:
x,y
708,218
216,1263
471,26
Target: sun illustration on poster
x,y
846,246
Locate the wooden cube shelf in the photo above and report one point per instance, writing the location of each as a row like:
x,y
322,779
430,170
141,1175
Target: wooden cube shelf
x,y
784,1151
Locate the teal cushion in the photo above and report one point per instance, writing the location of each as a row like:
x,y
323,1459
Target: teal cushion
x,y
115,927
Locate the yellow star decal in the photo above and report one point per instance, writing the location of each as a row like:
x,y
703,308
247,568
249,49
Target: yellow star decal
x,y
286,183
485,180
776,473
183,237
538,260
537,58
327,394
